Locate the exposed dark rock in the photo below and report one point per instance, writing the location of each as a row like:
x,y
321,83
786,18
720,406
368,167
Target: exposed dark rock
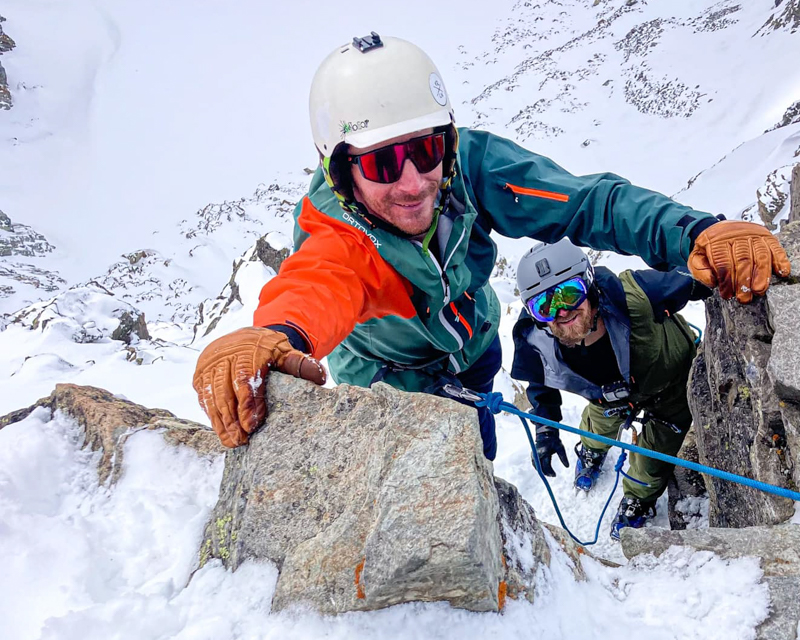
x,y
85,315
791,116
787,19
6,44
773,195
744,394
687,495
21,240
131,324
12,273
794,195
211,311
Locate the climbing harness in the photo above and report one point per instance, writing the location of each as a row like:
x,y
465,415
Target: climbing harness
x,y
495,403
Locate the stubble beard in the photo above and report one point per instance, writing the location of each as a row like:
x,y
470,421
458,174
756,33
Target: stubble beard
x,y
412,226
575,333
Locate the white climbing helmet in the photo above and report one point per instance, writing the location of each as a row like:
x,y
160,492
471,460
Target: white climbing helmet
x,y
374,89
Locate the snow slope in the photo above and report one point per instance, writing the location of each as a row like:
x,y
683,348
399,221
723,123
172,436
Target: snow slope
x,y
130,118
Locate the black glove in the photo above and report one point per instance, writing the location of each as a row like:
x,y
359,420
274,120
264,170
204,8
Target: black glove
x,y
548,443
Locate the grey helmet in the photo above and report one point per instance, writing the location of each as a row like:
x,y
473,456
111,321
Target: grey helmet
x,y
547,265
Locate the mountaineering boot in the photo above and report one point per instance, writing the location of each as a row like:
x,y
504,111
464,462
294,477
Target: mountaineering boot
x,y
632,512
588,468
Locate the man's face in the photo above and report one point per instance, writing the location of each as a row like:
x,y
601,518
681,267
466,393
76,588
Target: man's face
x,y
406,204
571,327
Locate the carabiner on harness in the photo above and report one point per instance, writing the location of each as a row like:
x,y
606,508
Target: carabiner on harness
x,y
460,393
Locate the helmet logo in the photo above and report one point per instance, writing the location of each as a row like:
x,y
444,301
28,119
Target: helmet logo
x,y
543,267
437,89
352,127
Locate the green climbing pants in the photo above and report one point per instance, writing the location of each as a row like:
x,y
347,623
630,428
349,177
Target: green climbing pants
x,y
655,435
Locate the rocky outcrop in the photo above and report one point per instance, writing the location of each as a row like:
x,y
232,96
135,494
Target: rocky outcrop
x,y
211,311
369,498
790,116
773,197
786,17
777,548
109,420
85,315
686,491
6,44
794,195
362,498
745,394
21,240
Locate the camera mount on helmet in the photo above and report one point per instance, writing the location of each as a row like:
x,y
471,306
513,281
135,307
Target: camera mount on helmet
x,y
367,43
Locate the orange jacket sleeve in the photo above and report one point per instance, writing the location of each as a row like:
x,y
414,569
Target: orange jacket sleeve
x,y
336,280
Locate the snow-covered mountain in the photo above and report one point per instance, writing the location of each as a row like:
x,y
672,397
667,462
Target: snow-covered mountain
x,y
151,145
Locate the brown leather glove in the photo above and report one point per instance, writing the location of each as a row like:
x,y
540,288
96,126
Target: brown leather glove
x,y
739,257
231,374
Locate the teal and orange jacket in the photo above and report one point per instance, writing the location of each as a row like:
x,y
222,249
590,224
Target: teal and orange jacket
x,y
382,306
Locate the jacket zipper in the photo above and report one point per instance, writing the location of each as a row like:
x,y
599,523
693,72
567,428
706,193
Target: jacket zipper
x,y
446,290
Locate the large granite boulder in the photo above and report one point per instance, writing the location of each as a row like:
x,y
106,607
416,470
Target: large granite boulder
x,y
744,392
777,548
368,498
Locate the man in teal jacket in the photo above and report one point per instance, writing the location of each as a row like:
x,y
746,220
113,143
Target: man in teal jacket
x,y
390,277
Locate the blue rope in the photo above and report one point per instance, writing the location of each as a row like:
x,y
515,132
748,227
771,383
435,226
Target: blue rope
x,y
699,338
494,402
537,463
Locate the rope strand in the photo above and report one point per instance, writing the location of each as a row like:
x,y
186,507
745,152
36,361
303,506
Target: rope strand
x,y
495,403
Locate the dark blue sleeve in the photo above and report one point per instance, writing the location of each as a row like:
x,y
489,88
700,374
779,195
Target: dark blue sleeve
x,y
295,337
527,367
669,292
545,402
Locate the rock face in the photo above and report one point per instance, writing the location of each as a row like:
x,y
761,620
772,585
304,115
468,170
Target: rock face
x,y
84,315
109,420
6,44
21,240
369,498
794,195
787,18
687,495
778,549
744,394
211,311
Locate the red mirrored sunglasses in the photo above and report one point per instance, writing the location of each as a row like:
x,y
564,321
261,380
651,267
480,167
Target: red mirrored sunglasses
x,y
385,165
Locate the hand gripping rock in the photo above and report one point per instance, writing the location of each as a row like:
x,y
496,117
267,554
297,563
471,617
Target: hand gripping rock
x,y
230,379
739,257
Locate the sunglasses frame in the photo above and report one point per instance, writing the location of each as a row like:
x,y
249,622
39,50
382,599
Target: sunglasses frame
x,y
357,159
585,294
